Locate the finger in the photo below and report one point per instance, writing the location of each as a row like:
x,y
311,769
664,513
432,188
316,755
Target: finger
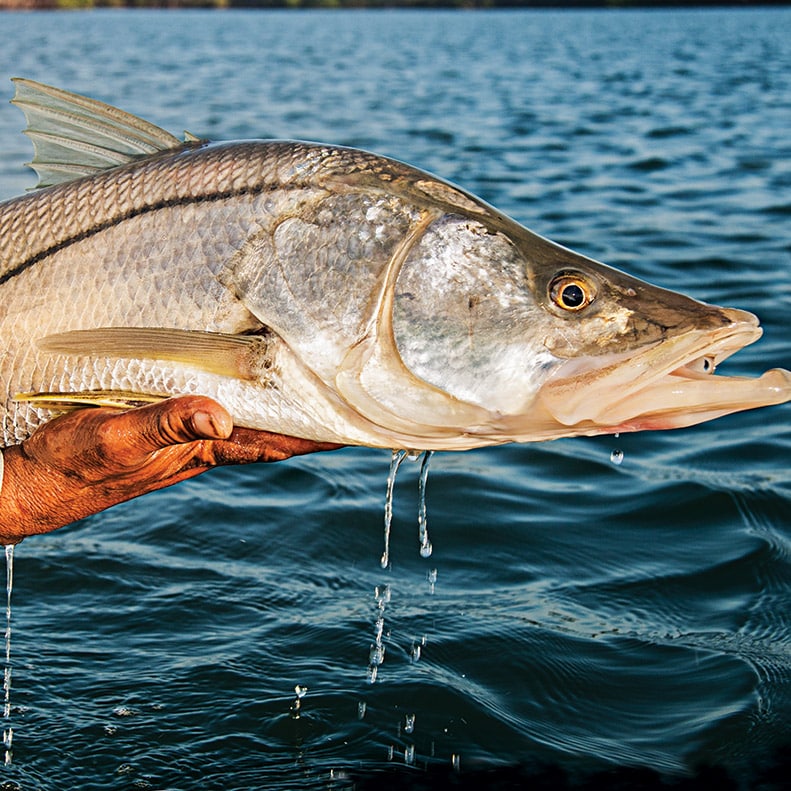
x,y
246,445
174,421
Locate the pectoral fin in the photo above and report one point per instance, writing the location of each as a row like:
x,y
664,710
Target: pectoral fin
x,y
238,356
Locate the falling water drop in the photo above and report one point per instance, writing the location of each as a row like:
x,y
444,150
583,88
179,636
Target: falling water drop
x,y
376,654
296,707
616,457
382,596
422,525
431,577
395,463
8,733
376,651
409,723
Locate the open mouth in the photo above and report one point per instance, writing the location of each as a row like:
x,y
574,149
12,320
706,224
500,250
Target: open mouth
x,y
669,384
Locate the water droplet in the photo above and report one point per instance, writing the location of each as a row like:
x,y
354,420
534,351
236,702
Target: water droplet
x,y
455,762
616,457
432,580
361,708
376,654
382,595
409,723
409,754
296,707
415,651
8,740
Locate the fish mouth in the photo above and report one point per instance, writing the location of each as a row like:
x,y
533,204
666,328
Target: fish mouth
x,y
670,384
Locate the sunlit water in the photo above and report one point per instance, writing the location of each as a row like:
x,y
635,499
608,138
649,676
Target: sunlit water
x,y
588,603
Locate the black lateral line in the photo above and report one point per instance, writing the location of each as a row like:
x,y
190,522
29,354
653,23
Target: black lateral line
x,y
131,214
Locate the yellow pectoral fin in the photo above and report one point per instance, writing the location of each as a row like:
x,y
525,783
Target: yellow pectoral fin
x,y
214,352
67,402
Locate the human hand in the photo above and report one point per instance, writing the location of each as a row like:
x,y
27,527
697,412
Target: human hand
x,y
86,461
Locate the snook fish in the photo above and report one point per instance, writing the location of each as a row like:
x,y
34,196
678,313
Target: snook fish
x,y
327,293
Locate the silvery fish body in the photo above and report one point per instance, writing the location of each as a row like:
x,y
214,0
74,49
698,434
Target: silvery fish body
x,y
328,293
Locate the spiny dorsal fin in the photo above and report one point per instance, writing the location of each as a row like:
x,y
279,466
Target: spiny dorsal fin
x,y
75,136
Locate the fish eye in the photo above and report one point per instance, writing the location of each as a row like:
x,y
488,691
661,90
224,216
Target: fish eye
x,y
571,292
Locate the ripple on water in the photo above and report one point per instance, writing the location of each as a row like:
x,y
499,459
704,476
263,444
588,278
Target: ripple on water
x,y
572,609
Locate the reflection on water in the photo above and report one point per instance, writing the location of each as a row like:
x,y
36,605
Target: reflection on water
x,y
575,612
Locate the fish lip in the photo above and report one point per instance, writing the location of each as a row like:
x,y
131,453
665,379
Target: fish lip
x,y
662,385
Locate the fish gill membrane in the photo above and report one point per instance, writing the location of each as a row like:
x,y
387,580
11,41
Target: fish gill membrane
x,y
327,293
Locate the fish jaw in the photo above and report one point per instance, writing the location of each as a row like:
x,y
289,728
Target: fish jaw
x,y
669,384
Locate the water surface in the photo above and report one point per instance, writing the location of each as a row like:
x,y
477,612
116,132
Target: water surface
x,y
574,612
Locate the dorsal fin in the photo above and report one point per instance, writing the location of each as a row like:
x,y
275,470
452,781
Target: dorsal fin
x,y
75,136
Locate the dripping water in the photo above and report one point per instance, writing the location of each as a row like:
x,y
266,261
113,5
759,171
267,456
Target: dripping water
x,y
422,526
616,457
395,462
431,578
300,690
422,522
376,653
8,731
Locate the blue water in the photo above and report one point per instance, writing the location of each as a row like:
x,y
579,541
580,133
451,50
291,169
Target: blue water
x,y
575,613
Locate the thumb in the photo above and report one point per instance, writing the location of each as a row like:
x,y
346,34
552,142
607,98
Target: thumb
x,y
176,421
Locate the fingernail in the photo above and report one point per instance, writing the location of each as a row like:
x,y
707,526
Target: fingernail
x,y
212,426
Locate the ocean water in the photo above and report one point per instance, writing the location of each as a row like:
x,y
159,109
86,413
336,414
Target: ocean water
x,y
578,616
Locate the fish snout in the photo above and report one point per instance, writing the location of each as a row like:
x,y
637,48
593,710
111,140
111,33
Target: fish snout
x,y
742,319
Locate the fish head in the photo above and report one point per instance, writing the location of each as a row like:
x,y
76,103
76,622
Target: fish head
x,y
632,356
555,344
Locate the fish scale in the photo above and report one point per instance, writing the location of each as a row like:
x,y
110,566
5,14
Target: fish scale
x,y
327,293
